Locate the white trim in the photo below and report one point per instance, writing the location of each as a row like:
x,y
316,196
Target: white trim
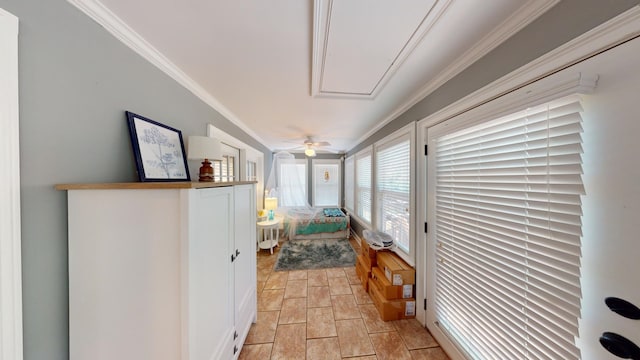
x,y
619,29
118,28
521,18
10,237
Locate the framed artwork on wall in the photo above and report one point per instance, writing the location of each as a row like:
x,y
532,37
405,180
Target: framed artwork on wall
x,y
158,149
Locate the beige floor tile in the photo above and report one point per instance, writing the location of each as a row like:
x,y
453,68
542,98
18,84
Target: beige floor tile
x,y
415,336
389,346
293,311
323,349
277,280
264,330
429,354
296,289
372,319
339,286
317,277
361,296
252,352
318,296
352,276
345,307
263,274
270,299
336,272
298,275
353,338
290,342
320,323
370,357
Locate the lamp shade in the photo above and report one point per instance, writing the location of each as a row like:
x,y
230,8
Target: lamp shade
x,y
270,203
204,147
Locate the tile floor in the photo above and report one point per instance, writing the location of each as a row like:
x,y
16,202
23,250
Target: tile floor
x,y
326,314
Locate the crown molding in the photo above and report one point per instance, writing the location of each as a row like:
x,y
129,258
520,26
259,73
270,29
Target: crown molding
x,y
620,29
11,341
523,17
118,28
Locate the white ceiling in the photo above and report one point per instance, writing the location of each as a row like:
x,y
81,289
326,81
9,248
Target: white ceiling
x,y
257,63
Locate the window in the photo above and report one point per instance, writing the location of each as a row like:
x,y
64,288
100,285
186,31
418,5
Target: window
x,y
251,171
349,183
508,232
363,185
393,184
326,182
225,169
293,183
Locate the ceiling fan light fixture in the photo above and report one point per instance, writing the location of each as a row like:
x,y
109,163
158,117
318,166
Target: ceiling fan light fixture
x,y
310,152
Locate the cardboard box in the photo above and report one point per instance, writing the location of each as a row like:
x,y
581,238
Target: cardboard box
x,y
367,251
388,290
363,272
395,269
392,309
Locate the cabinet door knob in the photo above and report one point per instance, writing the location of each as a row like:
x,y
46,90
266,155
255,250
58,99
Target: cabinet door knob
x,y
235,335
237,253
235,349
233,258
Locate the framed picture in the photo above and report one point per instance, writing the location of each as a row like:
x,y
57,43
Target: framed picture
x,y
158,149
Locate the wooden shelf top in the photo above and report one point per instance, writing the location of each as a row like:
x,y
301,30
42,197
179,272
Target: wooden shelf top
x,y
148,185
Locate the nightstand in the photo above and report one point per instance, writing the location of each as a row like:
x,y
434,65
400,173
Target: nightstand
x,y
267,228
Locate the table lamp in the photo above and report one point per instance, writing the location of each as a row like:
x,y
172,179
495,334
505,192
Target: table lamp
x,y
270,204
207,148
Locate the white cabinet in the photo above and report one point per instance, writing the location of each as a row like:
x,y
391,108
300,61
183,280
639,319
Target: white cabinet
x,y
161,273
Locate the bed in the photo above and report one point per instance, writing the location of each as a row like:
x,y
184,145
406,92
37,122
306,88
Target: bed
x,y
315,223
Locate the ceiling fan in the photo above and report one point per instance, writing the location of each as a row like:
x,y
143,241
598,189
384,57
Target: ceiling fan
x,y
310,146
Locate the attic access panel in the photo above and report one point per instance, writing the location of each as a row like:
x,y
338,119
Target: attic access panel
x,y
358,44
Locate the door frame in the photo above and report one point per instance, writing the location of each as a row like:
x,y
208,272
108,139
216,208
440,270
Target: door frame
x,y
621,28
10,237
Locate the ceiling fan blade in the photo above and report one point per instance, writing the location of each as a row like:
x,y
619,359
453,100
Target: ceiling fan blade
x,y
322,143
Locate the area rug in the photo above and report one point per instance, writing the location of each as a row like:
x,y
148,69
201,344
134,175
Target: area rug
x,y
315,254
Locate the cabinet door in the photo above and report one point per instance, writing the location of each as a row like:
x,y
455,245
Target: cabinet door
x,y
210,284
245,264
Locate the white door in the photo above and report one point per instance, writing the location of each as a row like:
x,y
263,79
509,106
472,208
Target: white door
x,y
611,204
10,243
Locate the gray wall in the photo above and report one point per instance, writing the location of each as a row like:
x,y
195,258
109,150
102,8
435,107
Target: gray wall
x,y
76,81
564,22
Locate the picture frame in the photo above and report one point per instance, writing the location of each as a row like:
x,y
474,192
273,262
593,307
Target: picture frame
x,y
158,150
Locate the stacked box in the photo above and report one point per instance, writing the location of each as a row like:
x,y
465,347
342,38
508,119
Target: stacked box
x,y
391,309
363,270
388,290
395,269
368,252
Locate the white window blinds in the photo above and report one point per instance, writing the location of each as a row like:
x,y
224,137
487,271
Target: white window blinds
x,y
393,190
349,185
363,186
508,234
